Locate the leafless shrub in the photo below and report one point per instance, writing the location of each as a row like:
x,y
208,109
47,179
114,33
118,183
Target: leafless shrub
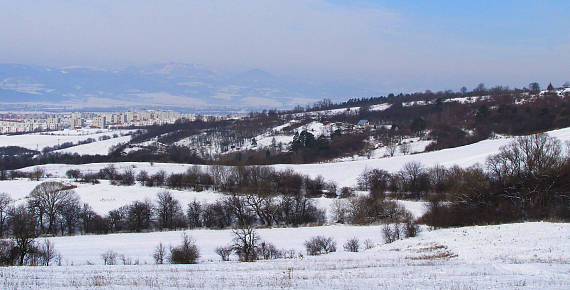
x,y
352,245
159,254
368,244
411,229
46,252
391,233
187,253
346,192
268,251
8,253
319,245
109,257
405,148
224,252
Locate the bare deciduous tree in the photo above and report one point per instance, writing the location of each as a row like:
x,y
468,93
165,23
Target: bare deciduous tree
x,y
169,211
5,207
159,254
245,243
50,197
23,231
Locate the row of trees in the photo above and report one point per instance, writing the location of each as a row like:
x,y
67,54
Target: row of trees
x,y
259,180
54,208
526,180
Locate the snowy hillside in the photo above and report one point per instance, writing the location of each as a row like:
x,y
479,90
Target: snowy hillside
x,y
38,141
527,255
345,173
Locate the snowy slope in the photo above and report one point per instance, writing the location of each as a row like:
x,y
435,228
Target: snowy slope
x,y
104,197
345,173
37,141
514,256
96,148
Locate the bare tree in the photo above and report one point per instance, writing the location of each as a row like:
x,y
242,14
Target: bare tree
x,y
169,211
23,231
47,252
37,174
159,254
194,214
264,207
50,197
5,207
245,243
70,213
528,169
391,149
405,148
139,215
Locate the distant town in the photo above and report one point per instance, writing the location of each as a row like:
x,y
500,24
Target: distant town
x,y
12,123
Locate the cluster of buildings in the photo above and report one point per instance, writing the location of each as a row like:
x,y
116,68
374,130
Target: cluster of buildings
x,y
11,123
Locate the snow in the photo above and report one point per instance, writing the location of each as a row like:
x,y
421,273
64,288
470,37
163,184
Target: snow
x,y
96,148
344,173
349,110
37,141
416,146
468,100
380,107
104,197
317,128
522,255
525,255
416,208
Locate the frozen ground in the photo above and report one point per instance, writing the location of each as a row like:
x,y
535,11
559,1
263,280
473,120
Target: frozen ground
x,y
37,141
104,197
345,173
513,256
96,148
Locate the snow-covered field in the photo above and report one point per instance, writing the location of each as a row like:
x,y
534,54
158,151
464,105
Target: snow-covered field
x,y
37,141
512,256
344,173
96,148
104,197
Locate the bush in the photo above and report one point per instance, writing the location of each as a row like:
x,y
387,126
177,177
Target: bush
x,y
187,253
346,192
368,244
92,178
8,253
268,251
73,173
109,257
320,245
391,233
127,178
224,252
159,254
411,229
352,245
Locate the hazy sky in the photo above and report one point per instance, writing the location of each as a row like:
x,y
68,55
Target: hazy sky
x,y
386,44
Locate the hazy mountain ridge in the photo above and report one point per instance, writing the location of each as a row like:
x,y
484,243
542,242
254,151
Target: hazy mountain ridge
x,y
181,86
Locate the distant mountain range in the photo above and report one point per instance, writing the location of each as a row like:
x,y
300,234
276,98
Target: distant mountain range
x,y
183,87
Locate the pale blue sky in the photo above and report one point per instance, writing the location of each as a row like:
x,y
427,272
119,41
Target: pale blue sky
x,y
391,45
